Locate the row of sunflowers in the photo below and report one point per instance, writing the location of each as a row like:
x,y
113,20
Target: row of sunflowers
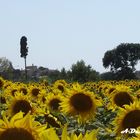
x,y
104,110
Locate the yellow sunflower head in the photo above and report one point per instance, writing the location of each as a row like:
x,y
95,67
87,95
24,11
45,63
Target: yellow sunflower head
x,y
80,102
53,101
60,85
11,90
127,118
44,82
19,103
121,96
110,89
7,84
23,89
20,128
34,92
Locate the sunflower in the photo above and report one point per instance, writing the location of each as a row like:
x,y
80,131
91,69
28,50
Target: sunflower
x,y
53,101
11,90
23,89
110,89
44,82
7,84
20,128
20,103
121,96
63,82
128,117
80,102
60,85
34,91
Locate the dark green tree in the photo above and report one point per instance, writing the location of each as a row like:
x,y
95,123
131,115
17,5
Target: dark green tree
x,y
53,75
63,74
24,51
82,73
93,75
23,47
122,60
107,76
6,68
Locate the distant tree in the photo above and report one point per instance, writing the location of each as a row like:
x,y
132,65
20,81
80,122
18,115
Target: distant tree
x,y
107,76
63,73
122,60
82,73
17,75
53,75
5,64
6,68
94,76
42,68
69,76
24,51
43,71
23,46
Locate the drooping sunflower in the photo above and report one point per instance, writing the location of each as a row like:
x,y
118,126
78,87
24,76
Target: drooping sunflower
x,y
20,128
127,118
121,96
51,120
80,102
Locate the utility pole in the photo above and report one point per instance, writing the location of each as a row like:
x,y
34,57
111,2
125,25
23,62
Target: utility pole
x,y
24,51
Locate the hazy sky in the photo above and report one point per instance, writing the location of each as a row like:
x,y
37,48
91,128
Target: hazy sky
x,y
61,32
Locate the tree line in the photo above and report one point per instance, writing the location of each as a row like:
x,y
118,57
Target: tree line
x,y
79,72
121,61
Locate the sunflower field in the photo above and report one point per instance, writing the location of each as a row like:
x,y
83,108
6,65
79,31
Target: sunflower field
x,y
104,110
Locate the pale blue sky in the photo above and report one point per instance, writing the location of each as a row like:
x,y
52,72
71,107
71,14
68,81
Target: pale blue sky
x,y
61,32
